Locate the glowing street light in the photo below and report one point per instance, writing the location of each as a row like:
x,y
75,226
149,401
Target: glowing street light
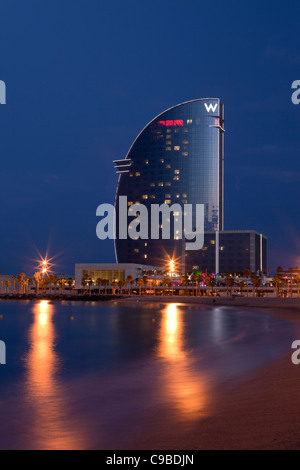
x,y
172,266
45,266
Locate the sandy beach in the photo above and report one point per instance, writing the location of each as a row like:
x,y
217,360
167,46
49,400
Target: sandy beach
x,y
288,304
260,411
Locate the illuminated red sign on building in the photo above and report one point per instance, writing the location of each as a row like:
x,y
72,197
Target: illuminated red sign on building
x,y
176,122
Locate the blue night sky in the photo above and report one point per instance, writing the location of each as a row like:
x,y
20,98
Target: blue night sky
x,y
84,77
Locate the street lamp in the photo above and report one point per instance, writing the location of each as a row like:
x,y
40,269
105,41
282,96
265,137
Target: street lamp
x,y
45,266
172,266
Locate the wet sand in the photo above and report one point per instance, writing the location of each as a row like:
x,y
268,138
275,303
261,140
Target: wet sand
x,y
288,304
261,411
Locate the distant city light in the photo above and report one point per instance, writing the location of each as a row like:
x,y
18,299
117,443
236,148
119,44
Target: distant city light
x,y
45,265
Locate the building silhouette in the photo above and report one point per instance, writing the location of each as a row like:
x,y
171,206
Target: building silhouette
x,y
178,158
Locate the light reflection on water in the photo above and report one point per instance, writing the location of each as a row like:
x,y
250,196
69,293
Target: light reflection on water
x,y
186,387
120,370
51,426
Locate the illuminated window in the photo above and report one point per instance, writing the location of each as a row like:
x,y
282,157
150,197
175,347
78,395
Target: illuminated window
x,y
178,196
168,196
137,202
189,121
168,130
185,142
145,256
168,148
145,196
146,162
152,185
152,196
184,195
130,203
168,166
177,172
146,244
136,250
222,248
138,173
168,136
184,201
168,201
130,174
168,184
176,178
171,122
161,185
177,147
212,242
204,248
185,154
162,161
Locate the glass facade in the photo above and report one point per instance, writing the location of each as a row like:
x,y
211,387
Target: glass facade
x,y
107,274
236,251
176,159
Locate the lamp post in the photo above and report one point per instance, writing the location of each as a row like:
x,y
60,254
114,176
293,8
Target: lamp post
x,y
172,267
172,270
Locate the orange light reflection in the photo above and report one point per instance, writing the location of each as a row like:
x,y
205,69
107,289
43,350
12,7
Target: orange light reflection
x,y
52,424
183,383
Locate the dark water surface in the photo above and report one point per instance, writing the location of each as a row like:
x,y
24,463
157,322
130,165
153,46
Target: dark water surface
x,y
101,375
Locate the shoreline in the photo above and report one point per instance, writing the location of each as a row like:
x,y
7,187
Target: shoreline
x,y
255,302
234,301
285,308
258,410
